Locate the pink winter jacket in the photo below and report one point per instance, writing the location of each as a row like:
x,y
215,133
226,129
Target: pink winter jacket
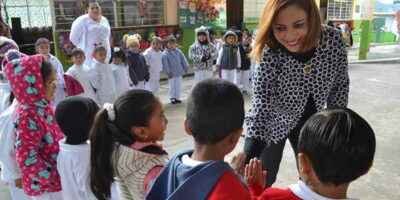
x,y
37,132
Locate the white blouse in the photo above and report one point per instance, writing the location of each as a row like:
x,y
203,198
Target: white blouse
x,y
87,34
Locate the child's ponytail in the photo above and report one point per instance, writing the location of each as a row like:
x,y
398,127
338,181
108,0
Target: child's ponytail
x,y
112,127
103,138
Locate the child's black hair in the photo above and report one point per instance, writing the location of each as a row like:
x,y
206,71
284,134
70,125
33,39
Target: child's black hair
x,y
75,116
340,145
119,53
45,70
171,39
215,109
98,49
76,52
133,108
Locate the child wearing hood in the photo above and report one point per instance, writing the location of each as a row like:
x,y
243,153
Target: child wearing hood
x,y
229,57
202,53
10,173
216,126
33,82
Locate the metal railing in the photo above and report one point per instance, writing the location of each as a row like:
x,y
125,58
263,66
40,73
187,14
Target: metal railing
x,y
33,13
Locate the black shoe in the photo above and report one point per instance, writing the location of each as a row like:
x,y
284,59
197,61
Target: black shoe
x,y
173,101
178,101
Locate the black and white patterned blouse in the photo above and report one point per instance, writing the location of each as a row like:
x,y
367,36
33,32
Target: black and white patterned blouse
x,y
282,85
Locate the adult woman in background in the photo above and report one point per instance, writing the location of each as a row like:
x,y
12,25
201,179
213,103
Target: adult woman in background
x,y
302,68
91,30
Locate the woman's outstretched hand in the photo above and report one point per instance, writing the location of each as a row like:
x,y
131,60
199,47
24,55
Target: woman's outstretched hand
x,y
254,173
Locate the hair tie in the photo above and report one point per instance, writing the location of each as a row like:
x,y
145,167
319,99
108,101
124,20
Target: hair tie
x,y
117,49
110,111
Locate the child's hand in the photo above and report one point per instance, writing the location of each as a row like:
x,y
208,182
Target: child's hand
x,y
18,183
254,174
238,163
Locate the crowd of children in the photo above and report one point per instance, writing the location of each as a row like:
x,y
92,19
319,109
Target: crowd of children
x,y
104,142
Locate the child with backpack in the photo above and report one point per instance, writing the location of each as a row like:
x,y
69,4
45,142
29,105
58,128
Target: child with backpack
x,y
216,126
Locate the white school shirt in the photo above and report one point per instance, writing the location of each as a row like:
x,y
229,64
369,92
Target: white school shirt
x,y
121,77
81,74
60,90
154,60
73,165
87,33
9,168
5,93
302,191
102,79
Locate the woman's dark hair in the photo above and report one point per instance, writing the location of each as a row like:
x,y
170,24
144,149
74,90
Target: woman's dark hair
x,y
340,145
133,108
45,70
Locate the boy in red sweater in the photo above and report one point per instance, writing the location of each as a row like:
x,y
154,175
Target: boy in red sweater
x,y
335,148
214,117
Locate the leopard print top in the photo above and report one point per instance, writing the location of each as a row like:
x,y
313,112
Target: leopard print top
x,y
282,85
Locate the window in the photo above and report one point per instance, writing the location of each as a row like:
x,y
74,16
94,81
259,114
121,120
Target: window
x,y
118,13
340,9
33,13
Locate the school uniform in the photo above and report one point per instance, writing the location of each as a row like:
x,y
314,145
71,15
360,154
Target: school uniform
x,y
183,177
121,77
60,87
73,164
227,65
5,93
81,74
9,167
154,60
175,66
138,69
102,80
229,59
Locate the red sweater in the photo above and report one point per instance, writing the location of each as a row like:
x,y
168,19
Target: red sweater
x,y
229,187
257,193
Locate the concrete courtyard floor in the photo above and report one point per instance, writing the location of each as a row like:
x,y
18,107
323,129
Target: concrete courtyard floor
x,y
374,93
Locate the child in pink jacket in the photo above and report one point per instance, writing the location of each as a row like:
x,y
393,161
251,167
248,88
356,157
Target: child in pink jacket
x,y
33,82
